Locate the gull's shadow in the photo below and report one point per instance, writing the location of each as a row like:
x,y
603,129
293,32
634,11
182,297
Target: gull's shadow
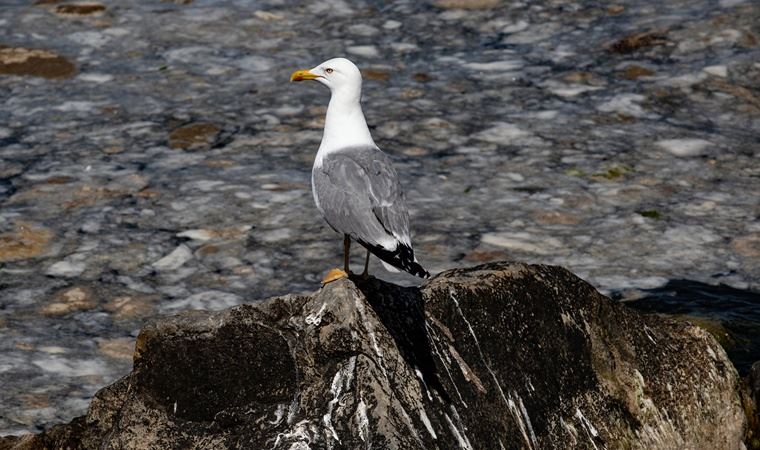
x,y
402,311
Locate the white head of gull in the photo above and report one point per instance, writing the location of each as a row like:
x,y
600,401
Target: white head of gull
x,y
345,125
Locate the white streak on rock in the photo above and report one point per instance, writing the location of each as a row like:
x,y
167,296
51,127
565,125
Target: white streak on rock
x,y
410,424
445,366
427,423
527,420
462,443
278,415
520,423
460,424
422,379
372,336
293,409
301,432
592,433
362,420
647,332
341,380
315,318
570,430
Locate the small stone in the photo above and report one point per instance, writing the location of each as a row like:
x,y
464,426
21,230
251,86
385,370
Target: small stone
x,y
375,74
26,346
615,9
196,136
638,41
481,256
207,234
24,242
523,242
71,300
467,4
120,348
684,147
35,401
392,24
34,62
367,51
634,72
174,260
66,269
415,151
362,29
582,78
495,66
268,16
80,9
556,218
748,246
501,133
718,71
422,77
128,307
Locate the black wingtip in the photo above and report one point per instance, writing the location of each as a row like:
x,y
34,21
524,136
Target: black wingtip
x,y
401,258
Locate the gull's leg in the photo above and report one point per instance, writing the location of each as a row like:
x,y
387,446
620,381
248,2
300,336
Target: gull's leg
x,y
365,274
337,274
346,248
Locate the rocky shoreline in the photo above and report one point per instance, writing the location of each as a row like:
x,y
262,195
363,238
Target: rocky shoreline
x,y
502,355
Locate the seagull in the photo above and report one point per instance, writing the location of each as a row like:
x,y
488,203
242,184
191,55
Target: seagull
x,y
354,183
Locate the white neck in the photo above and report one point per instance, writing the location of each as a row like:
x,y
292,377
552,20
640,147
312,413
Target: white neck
x,y
344,124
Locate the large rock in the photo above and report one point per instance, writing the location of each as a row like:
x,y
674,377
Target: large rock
x,y
499,356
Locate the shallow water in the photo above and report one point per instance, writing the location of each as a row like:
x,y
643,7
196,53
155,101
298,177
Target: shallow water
x,y
171,170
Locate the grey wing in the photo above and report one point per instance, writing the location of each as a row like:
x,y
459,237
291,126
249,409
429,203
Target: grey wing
x,y
359,194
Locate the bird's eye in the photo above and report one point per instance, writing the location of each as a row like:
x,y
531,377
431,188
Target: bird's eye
x,y
328,70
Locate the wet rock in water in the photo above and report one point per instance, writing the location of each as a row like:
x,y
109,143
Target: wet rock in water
x,y
128,307
634,72
376,74
467,4
748,245
70,300
684,147
196,136
174,260
496,356
638,41
25,241
34,62
80,9
120,348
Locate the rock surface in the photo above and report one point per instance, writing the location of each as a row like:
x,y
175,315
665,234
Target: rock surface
x,y
498,356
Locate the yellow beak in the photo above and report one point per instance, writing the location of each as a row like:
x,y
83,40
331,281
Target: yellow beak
x,y
300,75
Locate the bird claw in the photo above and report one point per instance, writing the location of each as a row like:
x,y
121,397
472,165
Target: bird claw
x,y
334,274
